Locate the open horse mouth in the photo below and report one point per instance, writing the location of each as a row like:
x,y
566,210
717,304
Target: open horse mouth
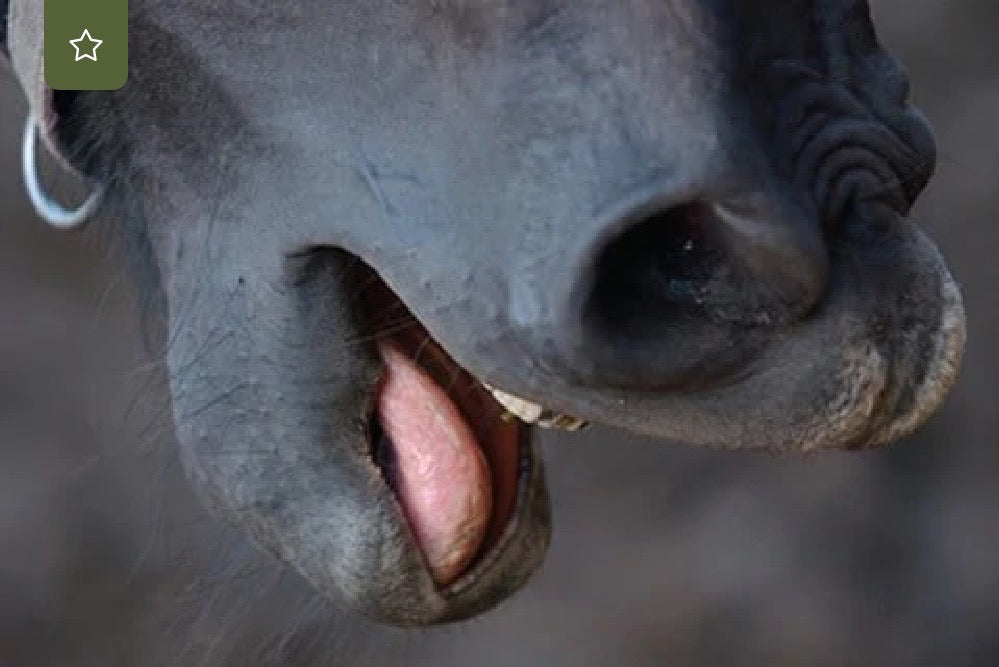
x,y
455,451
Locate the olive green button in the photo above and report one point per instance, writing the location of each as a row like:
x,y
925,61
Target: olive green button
x,y
86,44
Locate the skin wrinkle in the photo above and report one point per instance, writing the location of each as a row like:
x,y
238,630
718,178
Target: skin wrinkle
x,y
471,166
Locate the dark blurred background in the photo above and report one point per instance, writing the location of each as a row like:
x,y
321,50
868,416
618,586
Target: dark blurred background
x,y
662,555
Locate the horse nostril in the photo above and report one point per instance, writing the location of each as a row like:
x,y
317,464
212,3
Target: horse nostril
x,y
648,317
656,271
750,260
683,293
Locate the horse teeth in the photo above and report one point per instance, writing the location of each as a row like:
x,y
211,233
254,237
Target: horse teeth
x,y
523,409
562,421
532,413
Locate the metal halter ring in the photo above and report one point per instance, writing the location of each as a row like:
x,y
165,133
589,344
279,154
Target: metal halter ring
x,y
47,208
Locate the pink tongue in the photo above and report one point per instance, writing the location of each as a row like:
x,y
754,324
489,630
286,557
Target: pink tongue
x,y
442,479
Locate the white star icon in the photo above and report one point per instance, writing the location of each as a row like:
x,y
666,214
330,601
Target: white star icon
x,y
89,50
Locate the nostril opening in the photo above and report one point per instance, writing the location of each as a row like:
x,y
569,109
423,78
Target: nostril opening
x,y
679,298
656,272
